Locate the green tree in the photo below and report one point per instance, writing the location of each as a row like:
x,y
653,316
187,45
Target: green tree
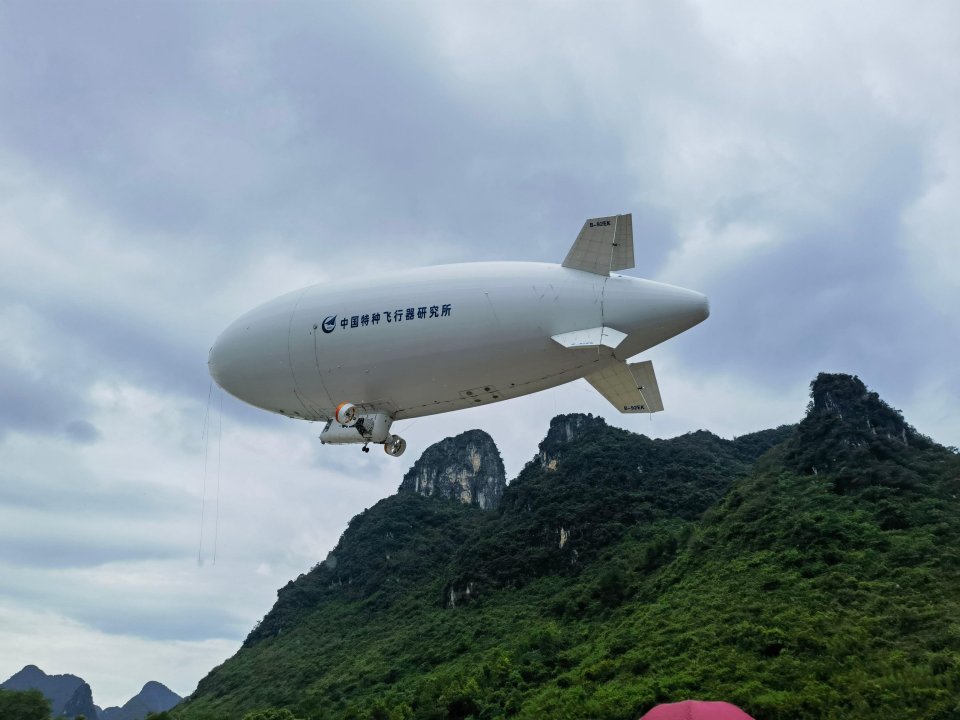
x,y
270,715
24,705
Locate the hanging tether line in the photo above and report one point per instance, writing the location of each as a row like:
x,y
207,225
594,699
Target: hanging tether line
x,y
216,522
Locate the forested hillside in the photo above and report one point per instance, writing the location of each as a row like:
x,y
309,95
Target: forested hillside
x,y
811,571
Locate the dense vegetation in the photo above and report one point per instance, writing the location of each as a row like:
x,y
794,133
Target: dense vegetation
x,y
24,705
810,571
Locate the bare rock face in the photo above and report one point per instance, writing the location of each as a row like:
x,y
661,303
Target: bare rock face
x,y
80,703
564,429
467,468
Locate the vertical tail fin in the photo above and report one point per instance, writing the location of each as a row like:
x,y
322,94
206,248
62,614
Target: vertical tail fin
x,y
604,244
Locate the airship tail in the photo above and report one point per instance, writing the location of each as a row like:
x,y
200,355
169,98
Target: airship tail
x,y
603,245
629,388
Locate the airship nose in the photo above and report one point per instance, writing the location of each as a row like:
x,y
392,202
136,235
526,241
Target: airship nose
x,y
699,306
215,364
228,364
250,359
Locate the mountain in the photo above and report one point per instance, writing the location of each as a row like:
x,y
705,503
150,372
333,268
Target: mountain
x,y
80,704
467,468
69,695
153,698
808,571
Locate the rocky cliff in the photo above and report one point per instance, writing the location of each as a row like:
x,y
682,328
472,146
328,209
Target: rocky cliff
x,y
80,704
467,468
69,695
564,429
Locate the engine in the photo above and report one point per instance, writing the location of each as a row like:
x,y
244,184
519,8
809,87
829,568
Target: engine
x,y
346,414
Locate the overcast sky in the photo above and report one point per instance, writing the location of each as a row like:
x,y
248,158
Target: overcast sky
x,y
164,167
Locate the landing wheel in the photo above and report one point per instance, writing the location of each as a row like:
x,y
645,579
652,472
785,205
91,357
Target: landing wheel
x,y
394,446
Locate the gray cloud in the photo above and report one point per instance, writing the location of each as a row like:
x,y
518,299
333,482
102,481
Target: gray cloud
x,y
217,129
163,623
74,490
136,612
82,432
34,404
82,547
834,293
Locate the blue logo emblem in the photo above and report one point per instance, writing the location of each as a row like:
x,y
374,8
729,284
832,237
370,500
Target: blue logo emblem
x,y
329,324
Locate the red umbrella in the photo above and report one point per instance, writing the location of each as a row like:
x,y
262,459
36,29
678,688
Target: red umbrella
x,y
696,710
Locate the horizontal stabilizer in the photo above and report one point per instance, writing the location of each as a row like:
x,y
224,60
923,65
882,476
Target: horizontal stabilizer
x,y
591,338
604,244
629,388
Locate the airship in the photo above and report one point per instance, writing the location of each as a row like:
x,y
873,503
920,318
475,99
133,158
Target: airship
x,y
363,353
